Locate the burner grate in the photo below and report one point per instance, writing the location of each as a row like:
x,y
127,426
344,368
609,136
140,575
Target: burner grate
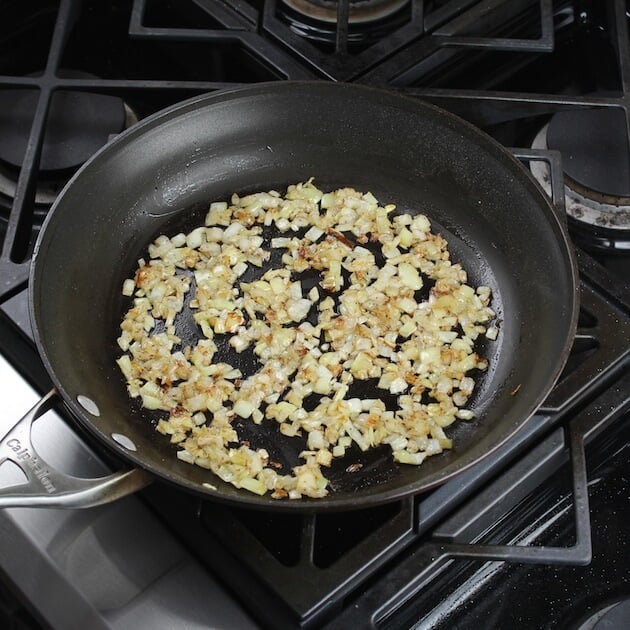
x,y
205,45
277,555
551,510
482,60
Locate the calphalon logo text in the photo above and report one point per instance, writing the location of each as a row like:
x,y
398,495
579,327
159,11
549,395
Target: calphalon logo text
x,y
33,463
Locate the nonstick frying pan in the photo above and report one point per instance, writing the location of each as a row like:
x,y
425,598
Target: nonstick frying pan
x,y
160,175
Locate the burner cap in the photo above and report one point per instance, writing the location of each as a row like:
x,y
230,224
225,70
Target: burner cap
x,y
594,148
599,223
612,617
78,124
360,11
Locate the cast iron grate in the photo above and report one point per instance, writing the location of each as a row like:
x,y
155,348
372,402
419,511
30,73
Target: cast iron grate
x,y
311,566
409,542
414,542
150,54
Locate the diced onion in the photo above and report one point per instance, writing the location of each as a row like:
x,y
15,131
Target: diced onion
x,y
362,320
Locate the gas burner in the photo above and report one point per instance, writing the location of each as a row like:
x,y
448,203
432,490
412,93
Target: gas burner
x,y
597,197
612,617
78,124
46,191
360,11
594,152
368,20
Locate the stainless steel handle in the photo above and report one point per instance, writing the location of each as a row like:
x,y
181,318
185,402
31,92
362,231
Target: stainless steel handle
x,y
48,487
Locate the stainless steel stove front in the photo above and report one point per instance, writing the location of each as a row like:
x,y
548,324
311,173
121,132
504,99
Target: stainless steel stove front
x,y
110,567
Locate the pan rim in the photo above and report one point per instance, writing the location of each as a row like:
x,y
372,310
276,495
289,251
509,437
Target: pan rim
x,y
329,503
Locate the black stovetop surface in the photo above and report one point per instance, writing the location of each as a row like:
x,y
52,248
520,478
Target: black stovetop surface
x,y
509,543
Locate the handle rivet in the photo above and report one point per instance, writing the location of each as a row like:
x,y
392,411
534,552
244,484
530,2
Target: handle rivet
x,y
124,441
89,405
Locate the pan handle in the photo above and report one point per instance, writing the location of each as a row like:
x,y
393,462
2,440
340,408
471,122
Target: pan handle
x,y
48,487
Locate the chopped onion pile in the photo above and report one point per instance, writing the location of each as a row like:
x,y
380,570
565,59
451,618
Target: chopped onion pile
x,y
363,319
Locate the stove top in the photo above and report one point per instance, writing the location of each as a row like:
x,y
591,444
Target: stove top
x,y
532,537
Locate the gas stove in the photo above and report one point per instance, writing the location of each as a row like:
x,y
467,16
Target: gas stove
x,y
534,536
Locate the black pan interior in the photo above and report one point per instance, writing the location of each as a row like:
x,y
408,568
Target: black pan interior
x,y
160,177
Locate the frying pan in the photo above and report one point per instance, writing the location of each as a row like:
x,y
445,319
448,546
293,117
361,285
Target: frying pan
x,y
160,175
